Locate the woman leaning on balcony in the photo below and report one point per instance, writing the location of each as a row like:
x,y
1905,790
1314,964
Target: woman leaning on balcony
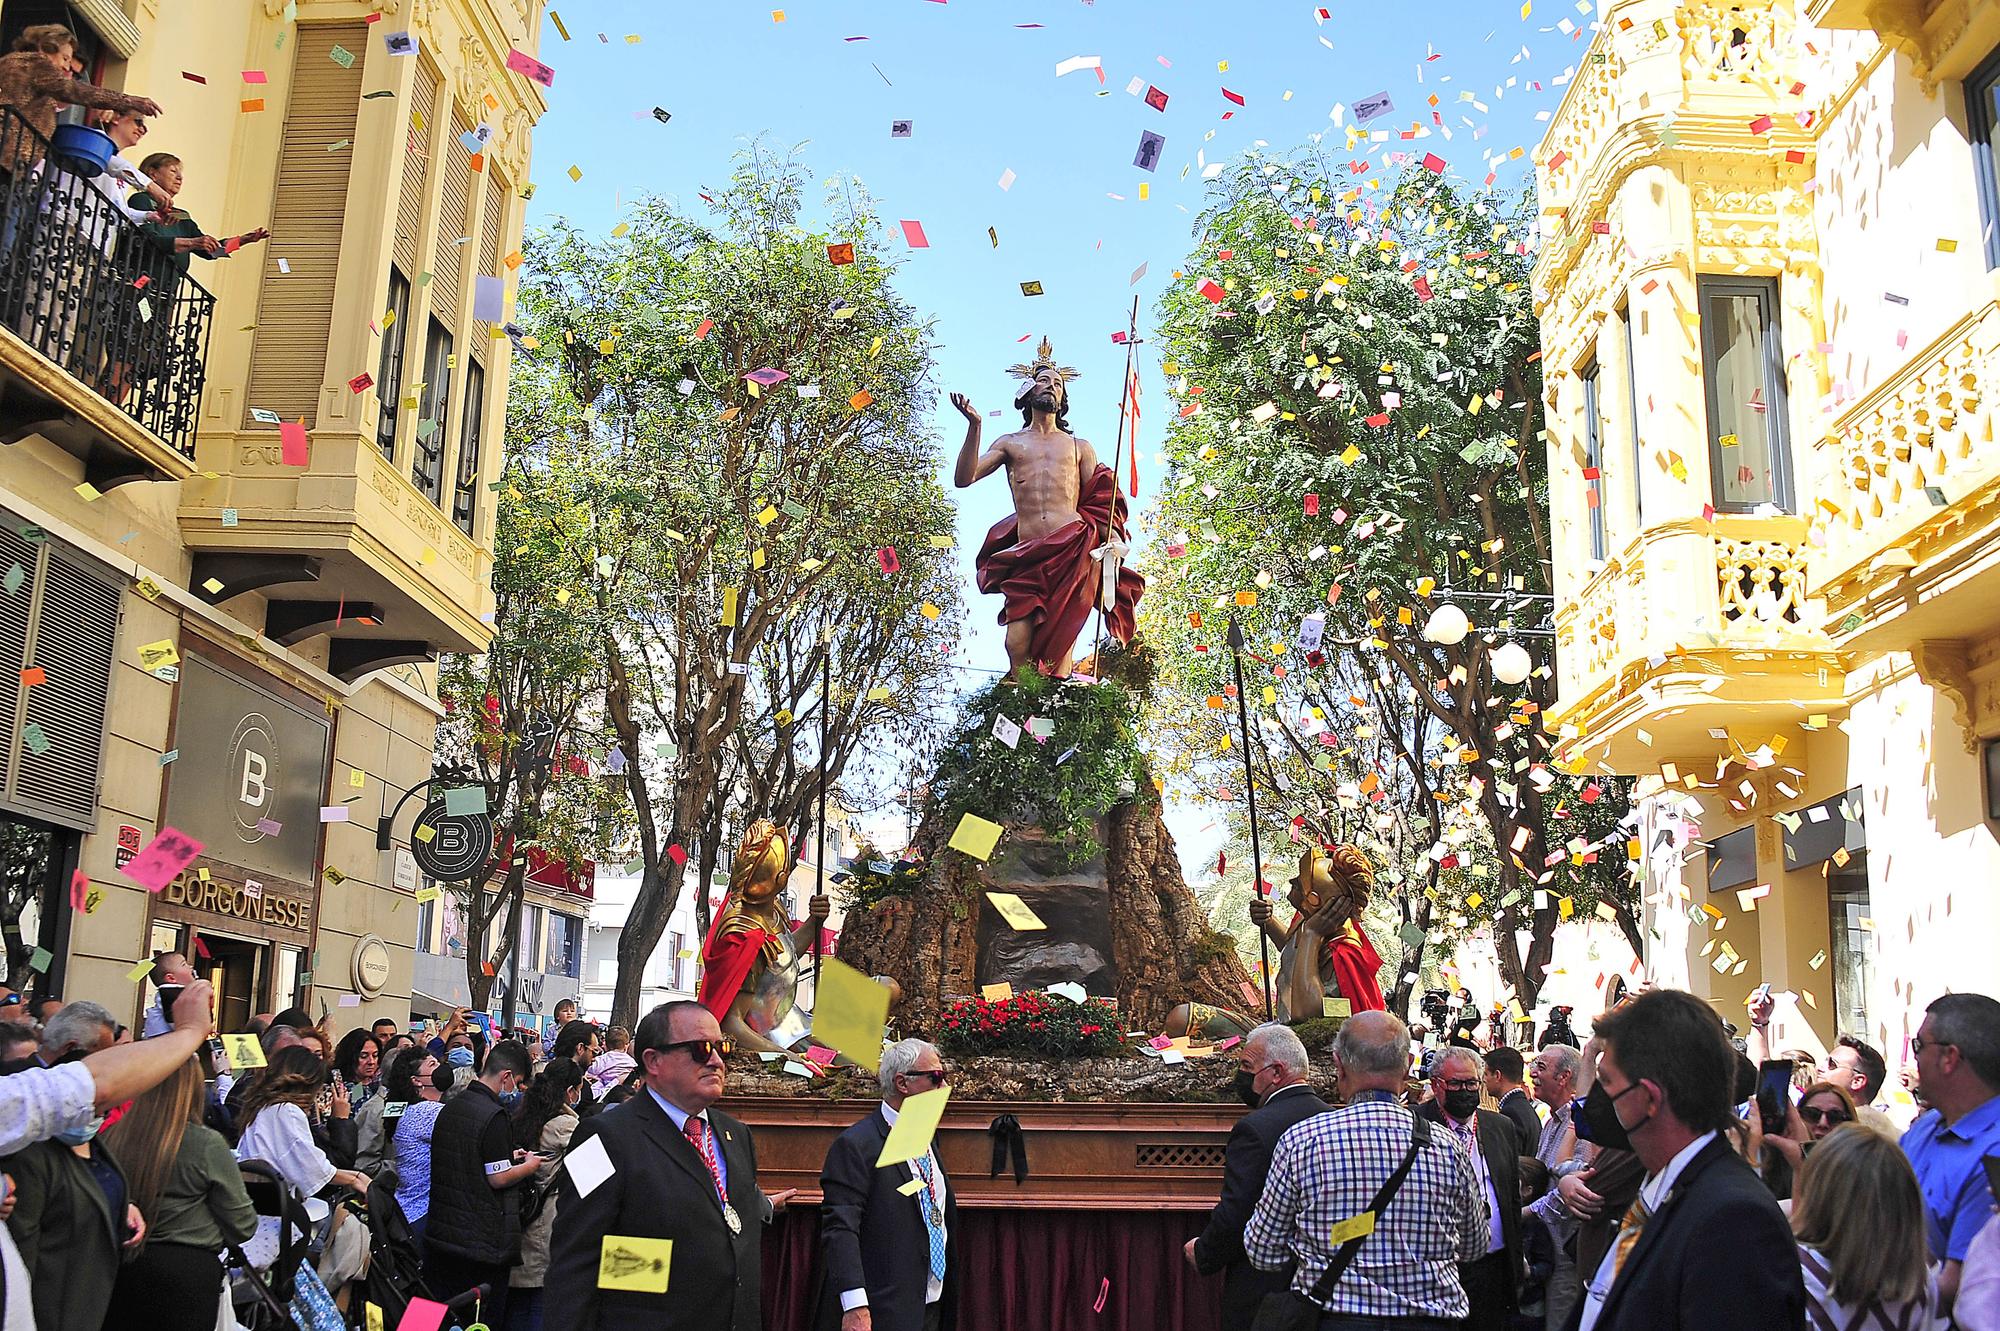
x,y
37,79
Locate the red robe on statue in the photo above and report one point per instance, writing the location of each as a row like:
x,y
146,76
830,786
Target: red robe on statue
x,y
725,965
1354,965
1052,581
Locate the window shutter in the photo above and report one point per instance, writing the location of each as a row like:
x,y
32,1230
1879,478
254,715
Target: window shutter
x,y
295,309
416,169
64,618
454,203
492,226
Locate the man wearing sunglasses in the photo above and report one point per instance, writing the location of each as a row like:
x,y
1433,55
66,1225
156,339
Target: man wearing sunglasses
x,y
1957,1053
888,1234
679,1170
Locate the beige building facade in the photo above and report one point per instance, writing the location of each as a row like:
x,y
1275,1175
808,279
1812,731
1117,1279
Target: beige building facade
x,y
1770,300
243,510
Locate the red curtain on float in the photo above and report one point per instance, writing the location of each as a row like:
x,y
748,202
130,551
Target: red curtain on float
x,y
1030,1271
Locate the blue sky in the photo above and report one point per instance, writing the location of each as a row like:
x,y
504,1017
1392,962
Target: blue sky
x,y
984,99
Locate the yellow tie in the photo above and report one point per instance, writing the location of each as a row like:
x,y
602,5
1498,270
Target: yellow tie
x,y
1628,1233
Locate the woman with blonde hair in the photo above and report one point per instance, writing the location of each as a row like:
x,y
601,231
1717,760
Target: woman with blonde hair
x,y
1859,1220
183,1178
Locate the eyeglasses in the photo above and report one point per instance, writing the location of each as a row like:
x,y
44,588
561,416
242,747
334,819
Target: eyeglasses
x,y
700,1050
936,1076
1462,1084
1918,1044
1811,1115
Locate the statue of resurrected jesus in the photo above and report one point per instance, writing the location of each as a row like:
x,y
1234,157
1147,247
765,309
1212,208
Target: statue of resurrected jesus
x,y
1061,553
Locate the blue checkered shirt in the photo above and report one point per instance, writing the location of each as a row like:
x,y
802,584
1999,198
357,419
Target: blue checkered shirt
x,y
1328,1168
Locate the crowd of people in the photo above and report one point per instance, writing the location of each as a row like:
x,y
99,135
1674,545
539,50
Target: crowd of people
x,y
91,261
1640,1180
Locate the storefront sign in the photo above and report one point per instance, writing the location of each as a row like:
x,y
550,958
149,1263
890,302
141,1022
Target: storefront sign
x,y
251,902
459,845
251,776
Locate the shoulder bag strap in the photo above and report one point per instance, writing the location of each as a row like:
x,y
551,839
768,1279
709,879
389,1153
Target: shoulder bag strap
x,y
1420,1137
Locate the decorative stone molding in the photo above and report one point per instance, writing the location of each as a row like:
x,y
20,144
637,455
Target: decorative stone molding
x,y
1945,664
1761,583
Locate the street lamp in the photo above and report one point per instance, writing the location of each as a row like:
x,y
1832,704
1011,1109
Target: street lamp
x,y
1511,663
1447,625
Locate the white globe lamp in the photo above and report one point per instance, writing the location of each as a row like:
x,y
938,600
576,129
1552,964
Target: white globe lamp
x,y
1447,625
1511,663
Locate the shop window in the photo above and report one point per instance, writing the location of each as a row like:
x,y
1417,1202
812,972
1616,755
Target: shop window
x,y
36,859
1982,115
1632,417
561,957
427,466
289,984
1743,366
389,367
529,944
465,489
427,917
1850,918
1593,460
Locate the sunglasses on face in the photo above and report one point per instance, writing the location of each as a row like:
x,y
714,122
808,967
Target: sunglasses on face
x,y
701,1050
936,1076
1812,1116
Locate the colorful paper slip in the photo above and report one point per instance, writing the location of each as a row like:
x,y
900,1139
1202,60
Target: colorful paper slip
x,y
164,856
916,1123
635,1264
852,1012
244,1051
975,836
1016,912
1354,1227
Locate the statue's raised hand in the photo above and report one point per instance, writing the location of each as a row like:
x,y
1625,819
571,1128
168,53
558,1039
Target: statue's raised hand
x,y
965,407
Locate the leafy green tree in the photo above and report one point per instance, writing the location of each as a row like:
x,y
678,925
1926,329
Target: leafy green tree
x,y
520,721
1359,442
730,430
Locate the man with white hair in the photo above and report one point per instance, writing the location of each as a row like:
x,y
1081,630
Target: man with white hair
x,y
887,1234
1376,1207
1554,1073
1492,1274
1271,1071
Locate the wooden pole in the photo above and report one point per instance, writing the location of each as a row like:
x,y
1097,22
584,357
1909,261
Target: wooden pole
x,y
819,867
1250,790
1117,460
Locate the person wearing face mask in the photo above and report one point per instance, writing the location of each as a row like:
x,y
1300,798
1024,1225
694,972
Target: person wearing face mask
x,y
1492,1279
72,1217
544,1122
1704,1246
413,1095
1271,1067
474,1233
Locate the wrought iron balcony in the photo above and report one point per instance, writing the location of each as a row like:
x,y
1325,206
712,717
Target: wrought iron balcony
x,y
103,340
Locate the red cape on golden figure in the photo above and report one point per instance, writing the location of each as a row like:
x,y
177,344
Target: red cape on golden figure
x,y
1323,953
1061,554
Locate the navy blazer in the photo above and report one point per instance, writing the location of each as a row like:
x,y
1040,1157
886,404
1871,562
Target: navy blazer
x,y
1246,1164
1717,1256
873,1236
660,1188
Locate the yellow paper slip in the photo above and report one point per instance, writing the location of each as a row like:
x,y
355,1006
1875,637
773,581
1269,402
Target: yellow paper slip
x,y
635,1264
995,993
916,1123
1018,914
1354,1227
975,836
850,1012
244,1052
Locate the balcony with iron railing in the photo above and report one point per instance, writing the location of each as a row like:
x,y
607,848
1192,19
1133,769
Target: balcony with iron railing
x,y
103,340
1698,627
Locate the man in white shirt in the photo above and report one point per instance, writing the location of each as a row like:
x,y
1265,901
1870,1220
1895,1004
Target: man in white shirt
x,y
887,1233
1705,1247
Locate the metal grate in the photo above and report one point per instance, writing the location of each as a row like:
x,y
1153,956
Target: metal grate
x,y
1179,1155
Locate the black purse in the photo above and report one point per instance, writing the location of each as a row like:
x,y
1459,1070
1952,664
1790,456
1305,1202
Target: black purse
x,y
1289,1310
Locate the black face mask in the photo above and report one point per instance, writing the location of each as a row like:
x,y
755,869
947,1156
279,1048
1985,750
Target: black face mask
x,y
1461,1104
1245,1086
1596,1119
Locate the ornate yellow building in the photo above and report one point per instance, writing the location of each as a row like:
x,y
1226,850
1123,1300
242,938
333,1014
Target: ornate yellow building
x,y
221,621
1771,320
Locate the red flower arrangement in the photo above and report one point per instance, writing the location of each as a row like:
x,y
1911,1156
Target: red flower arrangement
x,y
1030,1023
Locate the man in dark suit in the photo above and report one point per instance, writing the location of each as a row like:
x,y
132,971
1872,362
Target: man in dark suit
x,y
680,1170
1271,1069
889,1234
1504,1070
1704,1247
1492,1282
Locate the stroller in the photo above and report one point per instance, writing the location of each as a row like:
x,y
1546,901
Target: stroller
x,y
262,1286
395,1260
